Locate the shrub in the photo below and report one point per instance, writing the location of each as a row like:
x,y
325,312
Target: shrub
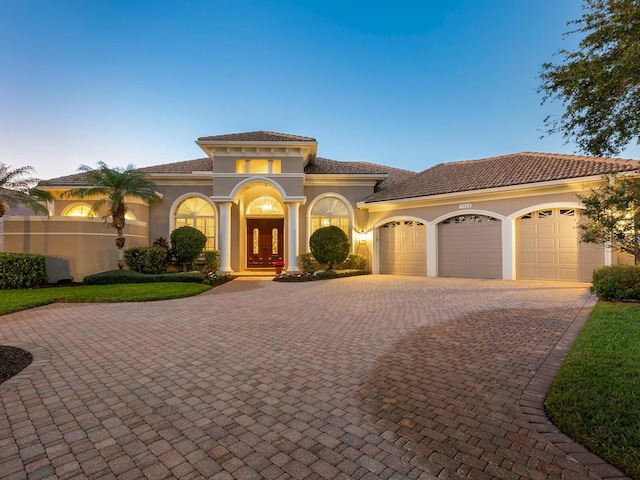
x,y
164,243
329,245
22,270
187,244
211,260
617,282
146,259
127,276
308,264
353,262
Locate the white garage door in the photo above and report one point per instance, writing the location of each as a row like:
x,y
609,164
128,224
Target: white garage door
x,y
548,247
402,247
470,246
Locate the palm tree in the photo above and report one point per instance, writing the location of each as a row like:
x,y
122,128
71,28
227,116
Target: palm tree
x,y
113,185
18,188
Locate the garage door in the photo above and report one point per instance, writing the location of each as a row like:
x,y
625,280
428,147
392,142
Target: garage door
x,y
470,246
548,247
403,247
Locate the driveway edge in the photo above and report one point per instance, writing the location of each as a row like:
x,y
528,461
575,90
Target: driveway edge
x,y
532,403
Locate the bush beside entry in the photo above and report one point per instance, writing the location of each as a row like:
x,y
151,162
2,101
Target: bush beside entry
x,y
329,245
187,244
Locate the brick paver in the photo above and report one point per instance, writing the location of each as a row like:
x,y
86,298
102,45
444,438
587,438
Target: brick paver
x,y
374,377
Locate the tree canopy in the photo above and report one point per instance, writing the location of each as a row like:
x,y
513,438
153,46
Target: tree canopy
x,y
611,215
329,245
599,82
111,186
18,188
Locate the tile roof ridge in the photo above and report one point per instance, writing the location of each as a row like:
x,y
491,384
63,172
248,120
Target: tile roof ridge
x,y
576,156
364,162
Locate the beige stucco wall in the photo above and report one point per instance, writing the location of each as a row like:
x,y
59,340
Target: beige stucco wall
x,y
504,206
74,247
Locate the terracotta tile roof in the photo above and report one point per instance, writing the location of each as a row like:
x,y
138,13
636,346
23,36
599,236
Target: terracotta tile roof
x,y
326,166
516,169
187,166
259,136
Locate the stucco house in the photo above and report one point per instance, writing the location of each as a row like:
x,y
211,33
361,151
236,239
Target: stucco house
x,y
258,197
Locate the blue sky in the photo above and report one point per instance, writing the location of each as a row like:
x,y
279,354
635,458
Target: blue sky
x,y
408,84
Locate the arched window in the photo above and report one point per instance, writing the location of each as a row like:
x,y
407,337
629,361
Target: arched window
x,y
196,212
265,205
330,211
79,210
84,210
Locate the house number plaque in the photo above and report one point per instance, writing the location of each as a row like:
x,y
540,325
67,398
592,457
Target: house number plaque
x,y
464,205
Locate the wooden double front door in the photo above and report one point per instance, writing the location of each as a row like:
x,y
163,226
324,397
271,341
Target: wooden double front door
x,y
265,242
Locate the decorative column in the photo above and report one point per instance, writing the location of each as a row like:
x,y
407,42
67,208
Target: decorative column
x,y
225,237
293,212
432,250
508,249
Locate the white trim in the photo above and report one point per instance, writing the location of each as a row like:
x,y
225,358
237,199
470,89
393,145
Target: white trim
x,y
182,198
79,204
467,193
344,200
375,260
470,211
543,206
74,234
232,197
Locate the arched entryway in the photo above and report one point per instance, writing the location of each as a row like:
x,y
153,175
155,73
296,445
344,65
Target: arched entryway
x,y
264,232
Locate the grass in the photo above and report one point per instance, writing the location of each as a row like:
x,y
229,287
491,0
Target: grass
x,y
15,300
595,399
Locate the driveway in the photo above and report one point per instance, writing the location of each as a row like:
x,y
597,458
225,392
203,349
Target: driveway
x,y
374,377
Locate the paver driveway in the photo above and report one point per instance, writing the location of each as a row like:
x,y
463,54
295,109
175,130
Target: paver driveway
x,y
368,377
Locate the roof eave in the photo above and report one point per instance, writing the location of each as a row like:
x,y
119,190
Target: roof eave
x,y
484,191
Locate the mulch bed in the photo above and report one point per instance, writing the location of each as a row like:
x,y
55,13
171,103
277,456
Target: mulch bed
x,y
12,361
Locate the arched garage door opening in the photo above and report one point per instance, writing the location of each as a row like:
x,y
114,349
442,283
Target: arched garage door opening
x,y
470,246
402,247
548,247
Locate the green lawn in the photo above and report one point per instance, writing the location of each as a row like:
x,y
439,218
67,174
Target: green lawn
x,y
15,300
595,398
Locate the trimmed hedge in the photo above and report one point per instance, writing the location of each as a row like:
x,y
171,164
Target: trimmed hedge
x,y
308,264
128,276
146,259
617,282
22,270
329,245
187,244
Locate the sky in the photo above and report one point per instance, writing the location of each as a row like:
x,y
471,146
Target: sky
x,y
408,84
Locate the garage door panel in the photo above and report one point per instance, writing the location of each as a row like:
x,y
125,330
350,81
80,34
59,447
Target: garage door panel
x,y
545,243
402,247
548,247
546,258
470,248
545,229
568,259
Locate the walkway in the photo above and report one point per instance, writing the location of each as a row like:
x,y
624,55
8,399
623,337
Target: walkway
x,y
374,377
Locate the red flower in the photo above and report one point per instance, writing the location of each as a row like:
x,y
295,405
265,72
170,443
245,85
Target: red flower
x,y
279,263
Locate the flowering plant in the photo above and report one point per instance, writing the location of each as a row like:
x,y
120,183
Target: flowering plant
x,y
279,263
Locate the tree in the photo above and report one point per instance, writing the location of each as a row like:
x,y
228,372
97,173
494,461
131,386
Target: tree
x,y
18,188
187,244
329,245
599,83
611,215
113,186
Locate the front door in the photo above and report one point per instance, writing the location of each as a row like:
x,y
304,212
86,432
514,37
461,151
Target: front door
x,y
264,242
